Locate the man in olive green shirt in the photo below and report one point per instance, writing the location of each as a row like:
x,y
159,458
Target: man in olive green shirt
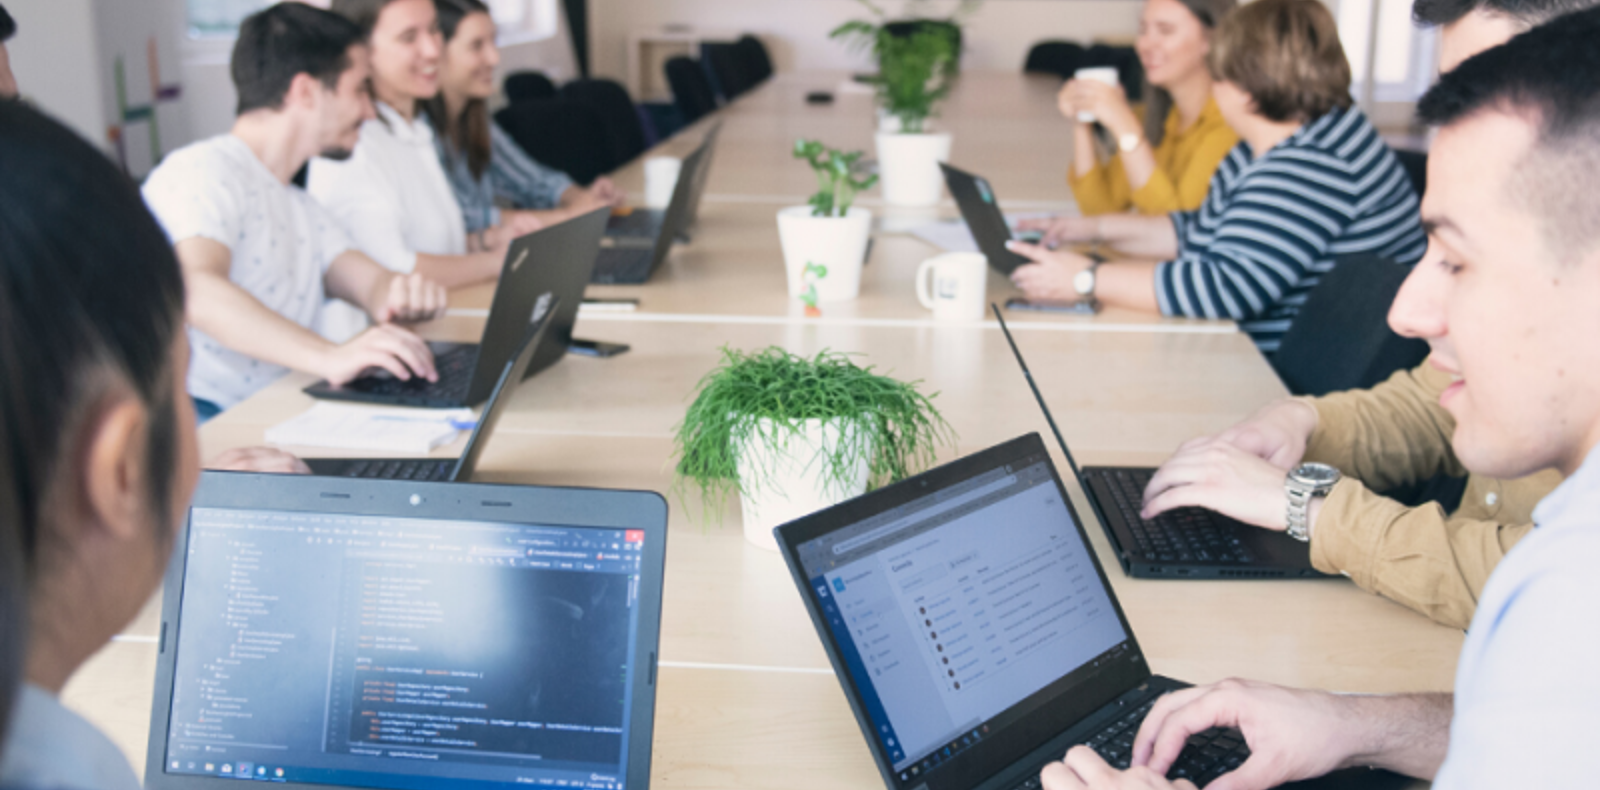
x,y
1392,435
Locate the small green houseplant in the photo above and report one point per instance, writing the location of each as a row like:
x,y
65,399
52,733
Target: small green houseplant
x,y
918,60
792,434
825,241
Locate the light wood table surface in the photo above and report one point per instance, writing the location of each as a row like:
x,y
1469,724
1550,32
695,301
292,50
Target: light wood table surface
x,y
745,696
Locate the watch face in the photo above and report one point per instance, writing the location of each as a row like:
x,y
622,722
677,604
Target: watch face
x,y
1083,282
1317,474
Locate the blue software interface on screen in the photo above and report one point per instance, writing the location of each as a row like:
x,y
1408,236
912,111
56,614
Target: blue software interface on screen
x,y
404,653
954,607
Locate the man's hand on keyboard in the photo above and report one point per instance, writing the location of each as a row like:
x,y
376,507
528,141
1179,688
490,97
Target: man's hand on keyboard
x,y
1216,475
1293,734
259,459
1083,769
1277,434
410,298
386,347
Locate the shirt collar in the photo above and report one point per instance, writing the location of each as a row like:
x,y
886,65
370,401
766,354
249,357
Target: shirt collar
x,y
416,131
1578,493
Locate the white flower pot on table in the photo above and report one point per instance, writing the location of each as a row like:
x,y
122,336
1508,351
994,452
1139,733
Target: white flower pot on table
x,y
835,248
784,475
908,165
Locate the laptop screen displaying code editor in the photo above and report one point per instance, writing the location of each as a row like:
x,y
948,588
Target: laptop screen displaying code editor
x,y
955,609
404,653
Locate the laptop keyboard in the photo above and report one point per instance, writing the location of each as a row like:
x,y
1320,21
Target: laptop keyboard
x,y
1207,755
455,377
639,222
1187,534
623,265
422,469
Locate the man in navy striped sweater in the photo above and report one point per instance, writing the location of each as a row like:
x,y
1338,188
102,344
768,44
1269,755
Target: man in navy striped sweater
x,y
1309,181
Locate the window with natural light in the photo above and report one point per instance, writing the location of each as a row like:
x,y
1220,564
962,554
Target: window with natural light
x,y
518,20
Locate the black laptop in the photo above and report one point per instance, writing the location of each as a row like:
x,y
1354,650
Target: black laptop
x,y
638,242
454,470
975,633
981,211
1186,543
545,272
329,632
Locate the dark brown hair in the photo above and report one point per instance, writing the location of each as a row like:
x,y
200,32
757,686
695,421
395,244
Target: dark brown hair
x,y
468,132
1209,13
1286,55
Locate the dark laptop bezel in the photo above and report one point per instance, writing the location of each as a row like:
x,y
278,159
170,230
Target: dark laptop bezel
x,y
548,261
1277,556
492,410
583,508
674,220
983,217
1056,709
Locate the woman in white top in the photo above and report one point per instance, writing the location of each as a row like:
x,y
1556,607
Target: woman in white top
x,y
392,194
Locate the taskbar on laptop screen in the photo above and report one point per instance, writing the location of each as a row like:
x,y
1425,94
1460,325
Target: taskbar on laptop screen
x,y
953,610
404,653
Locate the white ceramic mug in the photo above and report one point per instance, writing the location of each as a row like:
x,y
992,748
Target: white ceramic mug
x,y
954,285
1106,74
660,179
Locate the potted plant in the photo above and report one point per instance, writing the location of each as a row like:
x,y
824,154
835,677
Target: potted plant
x,y
918,60
825,241
793,435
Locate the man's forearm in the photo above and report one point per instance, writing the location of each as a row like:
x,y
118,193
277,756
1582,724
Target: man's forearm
x,y
454,271
240,322
1404,733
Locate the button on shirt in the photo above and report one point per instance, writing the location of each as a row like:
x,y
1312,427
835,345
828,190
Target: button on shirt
x,y
282,243
52,747
393,197
1526,691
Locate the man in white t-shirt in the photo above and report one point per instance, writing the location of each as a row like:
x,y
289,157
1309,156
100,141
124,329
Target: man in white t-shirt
x,y
258,254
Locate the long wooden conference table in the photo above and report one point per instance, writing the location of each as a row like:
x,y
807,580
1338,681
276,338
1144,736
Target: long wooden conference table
x,y
746,697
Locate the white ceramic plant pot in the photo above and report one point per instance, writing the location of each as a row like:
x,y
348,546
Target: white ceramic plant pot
x,y
787,478
836,244
909,167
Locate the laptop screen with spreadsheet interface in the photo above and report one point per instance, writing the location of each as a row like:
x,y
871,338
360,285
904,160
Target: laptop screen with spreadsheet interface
x,y
389,652
964,611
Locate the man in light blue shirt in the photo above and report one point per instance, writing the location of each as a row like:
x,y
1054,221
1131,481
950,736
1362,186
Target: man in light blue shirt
x,y
1507,297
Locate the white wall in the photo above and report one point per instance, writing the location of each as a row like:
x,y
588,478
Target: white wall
x,y
997,37
55,56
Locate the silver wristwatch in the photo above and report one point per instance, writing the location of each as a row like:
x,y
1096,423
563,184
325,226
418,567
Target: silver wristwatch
x,y
1083,282
1303,483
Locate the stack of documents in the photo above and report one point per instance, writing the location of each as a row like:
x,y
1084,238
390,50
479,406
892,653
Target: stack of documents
x,y
349,426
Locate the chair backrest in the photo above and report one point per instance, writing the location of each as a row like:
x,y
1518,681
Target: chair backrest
x,y
753,54
1061,58
616,109
729,78
523,86
1341,338
566,135
690,88
1415,163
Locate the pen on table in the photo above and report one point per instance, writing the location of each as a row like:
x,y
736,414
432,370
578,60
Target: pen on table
x,y
460,425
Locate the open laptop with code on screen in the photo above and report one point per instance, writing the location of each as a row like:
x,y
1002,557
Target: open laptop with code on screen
x,y
334,632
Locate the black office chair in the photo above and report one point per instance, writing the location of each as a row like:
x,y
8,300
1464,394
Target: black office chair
x,y
611,102
1341,339
521,86
757,61
564,134
907,27
1130,72
729,78
1061,58
690,89
1415,163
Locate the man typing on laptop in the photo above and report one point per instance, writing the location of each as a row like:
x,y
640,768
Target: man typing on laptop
x,y
1389,436
258,253
1511,278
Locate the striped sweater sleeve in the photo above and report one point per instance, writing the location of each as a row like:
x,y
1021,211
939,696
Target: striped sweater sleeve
x,y
1247,249
520,179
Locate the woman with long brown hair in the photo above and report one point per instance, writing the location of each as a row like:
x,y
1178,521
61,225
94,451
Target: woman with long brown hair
x,y
485,166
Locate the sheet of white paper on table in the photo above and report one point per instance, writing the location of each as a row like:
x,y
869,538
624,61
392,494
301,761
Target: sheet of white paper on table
x,y
351,426
952,235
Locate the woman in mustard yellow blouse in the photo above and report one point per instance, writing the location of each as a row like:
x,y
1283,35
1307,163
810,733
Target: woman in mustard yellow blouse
x,y
1164,162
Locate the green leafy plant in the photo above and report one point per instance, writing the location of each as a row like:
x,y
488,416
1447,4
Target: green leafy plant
x,y
837,183
916,70
771,393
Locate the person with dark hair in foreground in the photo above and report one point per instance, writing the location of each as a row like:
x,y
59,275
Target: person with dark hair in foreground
x,y
1506,298
1394,434
484,164
258,253
97,439
1310,181
8,82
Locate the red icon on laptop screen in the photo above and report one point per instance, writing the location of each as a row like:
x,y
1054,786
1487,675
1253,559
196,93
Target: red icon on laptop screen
x,y
634,536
